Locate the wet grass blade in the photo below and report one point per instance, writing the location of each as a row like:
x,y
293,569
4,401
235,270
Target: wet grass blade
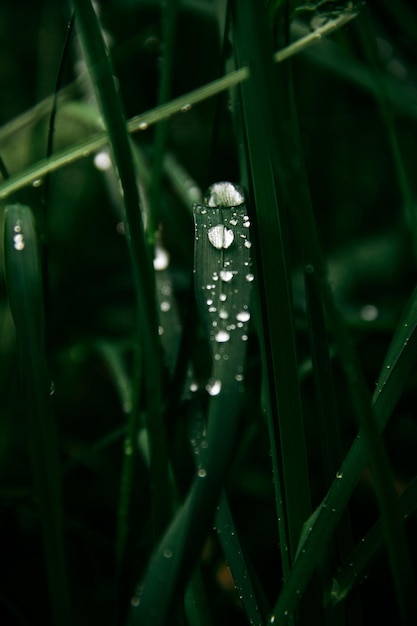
x,y
395,373
147,337
356,562
235,559
222,283
25,292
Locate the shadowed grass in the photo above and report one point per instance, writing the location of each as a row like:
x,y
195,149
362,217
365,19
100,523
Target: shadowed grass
x,y
147,339
25,293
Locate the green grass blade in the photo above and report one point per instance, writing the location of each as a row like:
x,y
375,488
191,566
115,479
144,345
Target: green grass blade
x,y
222,283
25,292
110,104
235,559
395,373
356,562
273,265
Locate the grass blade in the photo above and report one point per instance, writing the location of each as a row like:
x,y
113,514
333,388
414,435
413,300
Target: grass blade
x,y
25,292
222,263
272,250
148,343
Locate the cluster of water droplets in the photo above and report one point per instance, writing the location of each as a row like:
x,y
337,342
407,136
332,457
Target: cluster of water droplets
x,y
18,238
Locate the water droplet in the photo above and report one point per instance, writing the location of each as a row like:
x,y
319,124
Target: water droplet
x,y
248,244
160,330
212,309
222,336
161,259
102,161
214,387
165,306
167,553
220,236
120,228
243,316
339,474
18,227
239,377
223,314
202,472
37,182
143,125
250,277
226,276
223,297
193,387
224,194
233,222
246,224
244,337
18,242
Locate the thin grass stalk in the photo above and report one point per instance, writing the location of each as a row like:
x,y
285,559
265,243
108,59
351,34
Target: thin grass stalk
x,y
169,21
147,338
145,120
25,292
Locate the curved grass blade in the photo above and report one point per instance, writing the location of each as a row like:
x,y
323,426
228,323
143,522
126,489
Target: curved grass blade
x,y
25,292
147,341
221,257
359,559
161,112
395,372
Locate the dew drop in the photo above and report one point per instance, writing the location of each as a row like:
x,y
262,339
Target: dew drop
x,y
202,472
226,276
37,182
220,236
214,387
222,336
167,553
223,314
193,387
339,475
212,309
250,277
18,242
233,222
186,108
165,306
223,297
248,244
102,161
224,194
161,259
239,377
243,316
209,302
143,125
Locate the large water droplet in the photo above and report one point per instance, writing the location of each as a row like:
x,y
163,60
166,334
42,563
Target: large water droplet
x,y
224,194
220,236
250,277
226,276
222,336
243,316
